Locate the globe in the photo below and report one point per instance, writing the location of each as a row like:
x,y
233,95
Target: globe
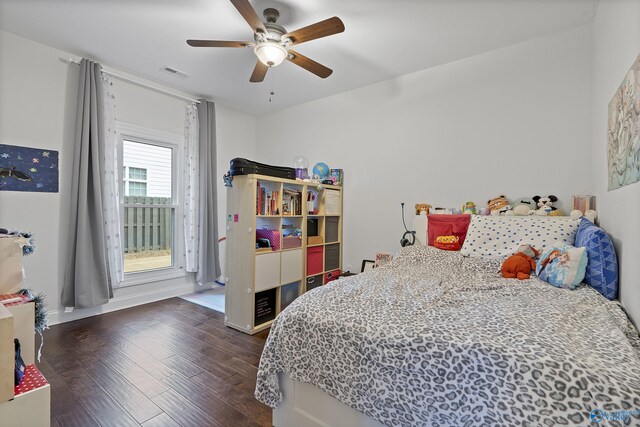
x,y
321,169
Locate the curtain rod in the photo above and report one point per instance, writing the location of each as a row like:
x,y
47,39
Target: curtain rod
x,y
136,82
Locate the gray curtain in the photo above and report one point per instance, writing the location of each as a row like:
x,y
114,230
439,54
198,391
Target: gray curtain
x,y
209,261
87,282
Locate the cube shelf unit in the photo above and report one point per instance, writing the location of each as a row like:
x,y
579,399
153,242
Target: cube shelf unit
x,y
27,405
284,237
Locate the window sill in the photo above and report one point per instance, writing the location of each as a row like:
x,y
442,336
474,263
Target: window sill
x,y
144,277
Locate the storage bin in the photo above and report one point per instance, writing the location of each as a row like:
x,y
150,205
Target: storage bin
x,y
264,309
331,276
272,235
267,270
312,226
314,260
331,229
314,282
314,240
287,294
290,242
332,257
291,267
332,202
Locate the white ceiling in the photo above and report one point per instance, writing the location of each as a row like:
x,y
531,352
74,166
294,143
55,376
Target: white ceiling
x,y
383,39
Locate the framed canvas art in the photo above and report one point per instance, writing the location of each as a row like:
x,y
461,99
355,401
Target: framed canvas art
x,y
28,169
623,134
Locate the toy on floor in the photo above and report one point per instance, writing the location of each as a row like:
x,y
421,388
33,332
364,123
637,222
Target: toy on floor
x,y
520,264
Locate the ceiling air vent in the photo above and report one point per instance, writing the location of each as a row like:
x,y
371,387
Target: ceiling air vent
x,y
174,72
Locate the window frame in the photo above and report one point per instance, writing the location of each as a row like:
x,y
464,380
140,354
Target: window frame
x,y
140,134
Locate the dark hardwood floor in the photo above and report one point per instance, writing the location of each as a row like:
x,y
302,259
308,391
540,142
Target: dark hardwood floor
x,y
169,363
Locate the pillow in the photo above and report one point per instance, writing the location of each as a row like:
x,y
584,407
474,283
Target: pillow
x,y
602,267
499,236
563,266
447,225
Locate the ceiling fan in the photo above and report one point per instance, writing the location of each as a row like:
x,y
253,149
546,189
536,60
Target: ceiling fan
x,y
272,42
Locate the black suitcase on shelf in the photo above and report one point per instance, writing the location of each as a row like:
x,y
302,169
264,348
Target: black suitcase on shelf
x,y
241,166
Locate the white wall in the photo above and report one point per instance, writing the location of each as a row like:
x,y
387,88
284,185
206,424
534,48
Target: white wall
x,y
37,109
512,121
236,137
616,45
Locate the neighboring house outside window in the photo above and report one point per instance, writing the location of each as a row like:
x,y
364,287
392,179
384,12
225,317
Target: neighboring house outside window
x,y
150,200
135,179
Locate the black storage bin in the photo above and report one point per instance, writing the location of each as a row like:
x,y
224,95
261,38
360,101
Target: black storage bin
x,y
265,306
314,282
331,229
312,226
331,257
288,293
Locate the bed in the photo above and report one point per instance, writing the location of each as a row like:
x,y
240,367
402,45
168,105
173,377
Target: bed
x,y
440,339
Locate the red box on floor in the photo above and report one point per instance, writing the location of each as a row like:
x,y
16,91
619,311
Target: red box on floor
x,y
314,260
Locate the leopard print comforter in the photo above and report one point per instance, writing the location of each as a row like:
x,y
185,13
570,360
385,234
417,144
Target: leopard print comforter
x,y
437,339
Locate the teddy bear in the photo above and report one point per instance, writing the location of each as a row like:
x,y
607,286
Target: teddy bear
x,y
545,205
520,264
499,205
422,208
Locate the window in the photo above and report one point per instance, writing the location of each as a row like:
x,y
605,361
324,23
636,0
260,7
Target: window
x,y
149,204
138,174
137,189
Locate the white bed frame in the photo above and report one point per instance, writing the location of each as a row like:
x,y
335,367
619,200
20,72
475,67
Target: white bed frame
x,y
305,405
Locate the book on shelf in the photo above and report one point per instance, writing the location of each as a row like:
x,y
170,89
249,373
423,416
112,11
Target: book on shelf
x,y
266,201
291,202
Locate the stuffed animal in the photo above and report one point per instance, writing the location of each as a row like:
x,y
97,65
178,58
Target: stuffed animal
x,y
499,205
422,207
524,206
520,264
591,215
484,211
545,204
469,208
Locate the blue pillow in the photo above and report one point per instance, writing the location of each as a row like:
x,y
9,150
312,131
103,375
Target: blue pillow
x,y
602,266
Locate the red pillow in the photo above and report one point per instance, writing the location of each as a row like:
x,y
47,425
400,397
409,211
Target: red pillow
x,y
447,225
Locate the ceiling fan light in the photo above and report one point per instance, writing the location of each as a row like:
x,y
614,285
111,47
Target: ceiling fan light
x,y
270,54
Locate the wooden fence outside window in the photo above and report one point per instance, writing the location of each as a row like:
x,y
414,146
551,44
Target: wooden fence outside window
x,y
147,228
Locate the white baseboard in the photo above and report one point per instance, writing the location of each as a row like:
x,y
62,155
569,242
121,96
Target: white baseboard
x,y
119,303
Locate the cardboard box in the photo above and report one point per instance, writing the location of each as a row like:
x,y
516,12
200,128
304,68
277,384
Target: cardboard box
x,y
314,240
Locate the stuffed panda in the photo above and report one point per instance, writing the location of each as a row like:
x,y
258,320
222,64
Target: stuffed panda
x,y
545,204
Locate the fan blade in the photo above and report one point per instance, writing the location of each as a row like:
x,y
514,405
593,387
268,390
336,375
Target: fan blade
x,y
309,64
320,29
249,14
217,43
258,72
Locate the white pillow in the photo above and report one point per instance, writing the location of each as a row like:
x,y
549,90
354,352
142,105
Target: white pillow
x,y
498,236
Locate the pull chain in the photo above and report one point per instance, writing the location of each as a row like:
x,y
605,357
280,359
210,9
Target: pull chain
x,y
271,91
